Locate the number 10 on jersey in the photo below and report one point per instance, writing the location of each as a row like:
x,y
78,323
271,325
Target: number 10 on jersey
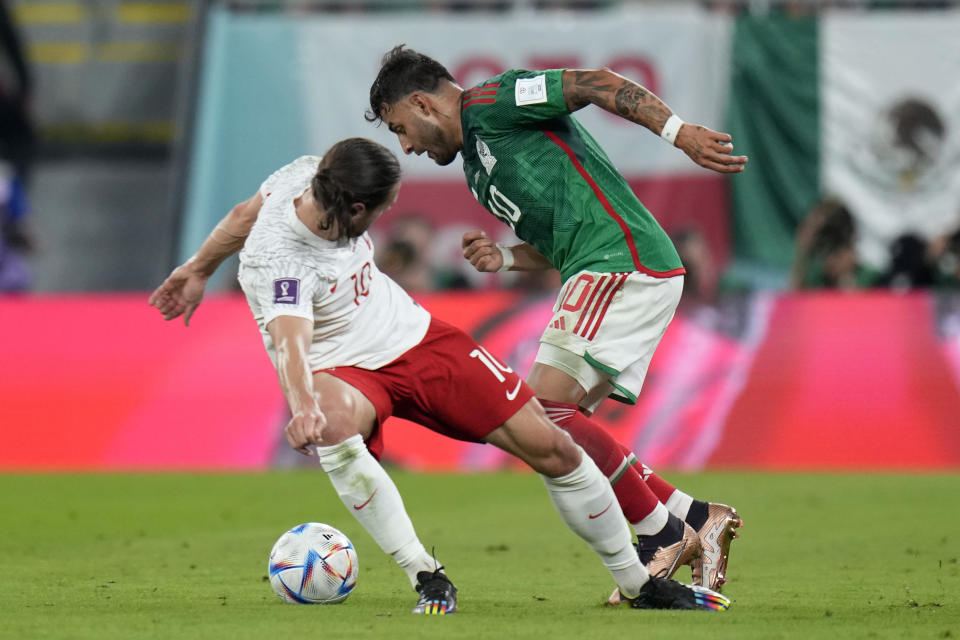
x,y
503,207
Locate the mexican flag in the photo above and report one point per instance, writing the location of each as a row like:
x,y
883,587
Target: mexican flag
x,y
859,106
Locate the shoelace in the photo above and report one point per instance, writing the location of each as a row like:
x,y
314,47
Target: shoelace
x,y
673,567
663,573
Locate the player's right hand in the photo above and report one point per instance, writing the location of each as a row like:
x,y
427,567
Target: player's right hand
x,y
304,429
481,251
709,149
180,293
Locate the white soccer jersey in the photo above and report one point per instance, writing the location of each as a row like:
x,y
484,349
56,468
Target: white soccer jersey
x,y
360,316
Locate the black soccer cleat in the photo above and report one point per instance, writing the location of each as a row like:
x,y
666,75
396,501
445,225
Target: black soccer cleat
x,y
660,593
438,596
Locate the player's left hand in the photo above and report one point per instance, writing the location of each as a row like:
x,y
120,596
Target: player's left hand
x,y
180,293
709,149
481,251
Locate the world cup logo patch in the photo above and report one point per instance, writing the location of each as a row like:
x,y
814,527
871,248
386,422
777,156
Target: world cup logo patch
x,y
286,291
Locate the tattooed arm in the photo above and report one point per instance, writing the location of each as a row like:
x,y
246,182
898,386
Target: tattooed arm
x,y
627,99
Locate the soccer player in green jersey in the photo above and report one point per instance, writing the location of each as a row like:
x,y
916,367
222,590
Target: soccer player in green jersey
x,y
530,163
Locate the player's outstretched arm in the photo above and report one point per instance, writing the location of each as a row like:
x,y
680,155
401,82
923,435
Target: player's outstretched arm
x,y
623,97
182,291
292,336
487,256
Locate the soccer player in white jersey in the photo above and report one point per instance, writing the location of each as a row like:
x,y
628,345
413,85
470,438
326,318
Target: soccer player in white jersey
x,y
352,348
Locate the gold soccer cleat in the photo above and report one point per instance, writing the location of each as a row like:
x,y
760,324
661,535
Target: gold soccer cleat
x,y
716,534
663,562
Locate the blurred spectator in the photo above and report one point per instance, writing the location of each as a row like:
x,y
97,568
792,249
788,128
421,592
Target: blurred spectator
x,y
407,256
16,87
944,253
825,256
16,155
571,5
15,241
547,281
912,265
701,280
463,6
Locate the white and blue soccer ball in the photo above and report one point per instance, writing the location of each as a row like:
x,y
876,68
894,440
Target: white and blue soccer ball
x,y
313,563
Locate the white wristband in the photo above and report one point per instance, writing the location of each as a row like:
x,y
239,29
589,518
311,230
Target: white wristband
x,y
507,254
671,128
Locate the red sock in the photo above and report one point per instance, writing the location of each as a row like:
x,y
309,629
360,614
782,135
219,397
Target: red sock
x,y
660,487
636,499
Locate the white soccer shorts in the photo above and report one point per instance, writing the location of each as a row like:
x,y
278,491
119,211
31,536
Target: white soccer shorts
x,y
605,328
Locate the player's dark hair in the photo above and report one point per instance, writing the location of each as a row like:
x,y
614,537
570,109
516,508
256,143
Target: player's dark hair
x,y
355,170
403,71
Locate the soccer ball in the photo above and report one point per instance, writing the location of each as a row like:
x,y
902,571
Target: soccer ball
x,y
313,563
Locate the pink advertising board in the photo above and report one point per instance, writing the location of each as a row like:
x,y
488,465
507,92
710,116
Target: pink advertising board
x,y
865,381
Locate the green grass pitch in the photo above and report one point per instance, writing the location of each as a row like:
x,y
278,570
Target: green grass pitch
x,y
184,556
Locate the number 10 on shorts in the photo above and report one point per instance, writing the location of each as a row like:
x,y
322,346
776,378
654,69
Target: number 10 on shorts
x,y
491,363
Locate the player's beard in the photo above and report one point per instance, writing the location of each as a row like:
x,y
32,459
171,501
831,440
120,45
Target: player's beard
x,y
438,144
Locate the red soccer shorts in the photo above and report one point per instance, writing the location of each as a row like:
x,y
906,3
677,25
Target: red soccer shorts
x,y
447,382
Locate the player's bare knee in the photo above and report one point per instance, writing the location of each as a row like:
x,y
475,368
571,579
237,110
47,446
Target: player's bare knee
x,y
342,422
339,428
330,437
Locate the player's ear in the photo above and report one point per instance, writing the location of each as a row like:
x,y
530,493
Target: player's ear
x,y
421,103
357,209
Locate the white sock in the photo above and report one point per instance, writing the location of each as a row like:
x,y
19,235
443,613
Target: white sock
x,y
679,504
587,504
370,495
653,523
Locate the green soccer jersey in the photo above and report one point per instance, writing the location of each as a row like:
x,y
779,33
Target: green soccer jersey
x,y
531,164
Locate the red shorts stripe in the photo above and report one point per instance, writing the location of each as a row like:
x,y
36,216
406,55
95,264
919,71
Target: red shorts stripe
x,y
603,287
610,280
603,312
586,308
